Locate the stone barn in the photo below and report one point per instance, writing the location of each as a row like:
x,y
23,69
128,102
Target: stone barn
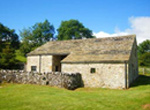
x,y
103,62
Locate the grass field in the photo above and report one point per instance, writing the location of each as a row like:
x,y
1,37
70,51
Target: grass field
x,y
36,97
20,57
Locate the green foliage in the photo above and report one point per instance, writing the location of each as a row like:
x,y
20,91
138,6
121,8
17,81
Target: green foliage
x,y
73,29
144,53
8,36
7,58
36,36
9,41
144,47
145,59
26,44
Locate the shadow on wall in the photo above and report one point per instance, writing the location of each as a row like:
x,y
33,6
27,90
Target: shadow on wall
x,y
141,80
82,83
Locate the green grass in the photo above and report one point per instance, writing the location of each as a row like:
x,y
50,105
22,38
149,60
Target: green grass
x,y
36,97
20,57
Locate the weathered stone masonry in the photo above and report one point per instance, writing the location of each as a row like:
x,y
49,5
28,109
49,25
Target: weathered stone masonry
x,y
42,62
63,80
106,76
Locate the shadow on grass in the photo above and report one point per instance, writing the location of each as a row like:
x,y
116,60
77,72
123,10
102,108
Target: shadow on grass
x,y
141,80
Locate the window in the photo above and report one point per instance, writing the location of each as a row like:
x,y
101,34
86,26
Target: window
x,y
33,68
56,68
93,70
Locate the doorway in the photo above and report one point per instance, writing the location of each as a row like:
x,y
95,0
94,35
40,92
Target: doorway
x,y
56,62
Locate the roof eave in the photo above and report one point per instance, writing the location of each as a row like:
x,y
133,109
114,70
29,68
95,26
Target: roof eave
x,y
107,61
48,54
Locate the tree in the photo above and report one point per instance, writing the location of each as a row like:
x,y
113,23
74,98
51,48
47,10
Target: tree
x,y
73,29
145,59
9,41
7,57
144,47
8,35
36,36
144,53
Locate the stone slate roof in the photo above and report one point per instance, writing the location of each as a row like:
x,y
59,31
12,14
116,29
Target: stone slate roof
x,y
110,49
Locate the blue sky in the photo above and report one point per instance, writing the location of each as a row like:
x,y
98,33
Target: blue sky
x,y
98,15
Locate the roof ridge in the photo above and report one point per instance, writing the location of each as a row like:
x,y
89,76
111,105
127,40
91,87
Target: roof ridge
x,y
131,35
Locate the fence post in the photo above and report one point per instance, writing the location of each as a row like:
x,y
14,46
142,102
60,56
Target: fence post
x,y
143,71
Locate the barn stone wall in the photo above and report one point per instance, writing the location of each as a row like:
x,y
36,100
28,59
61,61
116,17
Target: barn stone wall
x,y
32,61
106,75
43,63
133,64
46,63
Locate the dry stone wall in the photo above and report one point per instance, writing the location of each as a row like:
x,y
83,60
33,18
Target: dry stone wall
x,y
63,80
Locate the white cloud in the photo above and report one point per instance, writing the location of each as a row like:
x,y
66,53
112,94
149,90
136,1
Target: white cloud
x,y
104,34
139,26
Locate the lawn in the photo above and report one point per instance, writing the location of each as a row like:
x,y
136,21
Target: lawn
x,y
20,57
36,97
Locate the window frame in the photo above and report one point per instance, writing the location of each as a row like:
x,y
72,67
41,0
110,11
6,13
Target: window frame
x,y
33,68
92,70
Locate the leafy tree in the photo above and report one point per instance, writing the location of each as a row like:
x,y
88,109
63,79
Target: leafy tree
x,y
35,36
144,47
26,44
145,59
9,41
73,29
8,35
7,60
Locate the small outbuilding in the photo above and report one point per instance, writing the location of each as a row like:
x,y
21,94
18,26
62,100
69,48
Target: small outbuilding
x,y
110,62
